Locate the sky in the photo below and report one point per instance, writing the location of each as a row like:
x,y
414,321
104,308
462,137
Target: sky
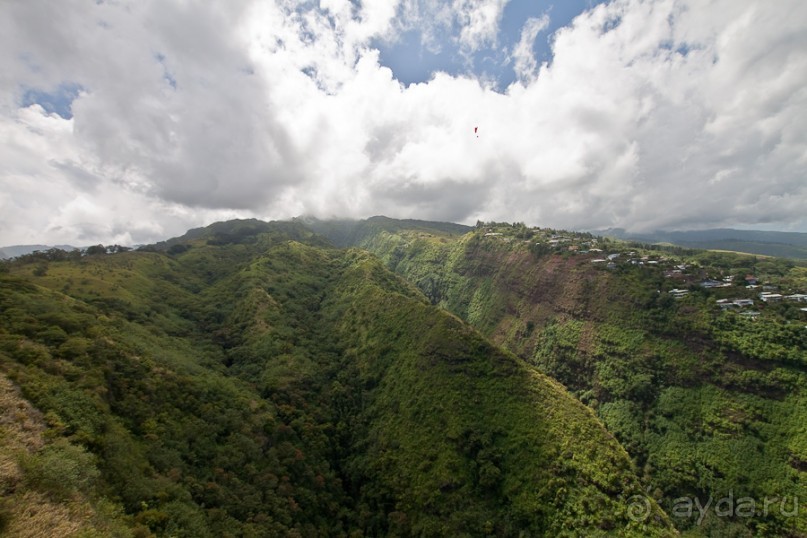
x,y
132,121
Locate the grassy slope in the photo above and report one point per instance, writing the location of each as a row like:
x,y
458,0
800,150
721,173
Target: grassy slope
x,y
257,384
703,414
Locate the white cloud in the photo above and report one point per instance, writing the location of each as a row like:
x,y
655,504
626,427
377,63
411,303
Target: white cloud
x,y
524,59
651,114
477,22
54,192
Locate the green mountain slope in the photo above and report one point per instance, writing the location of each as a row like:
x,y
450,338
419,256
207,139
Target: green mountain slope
x,y
344,233
248,380
709,403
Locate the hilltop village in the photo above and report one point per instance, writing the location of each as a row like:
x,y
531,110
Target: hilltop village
x,y
748,285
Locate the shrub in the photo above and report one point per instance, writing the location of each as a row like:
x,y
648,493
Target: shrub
x,y
60,470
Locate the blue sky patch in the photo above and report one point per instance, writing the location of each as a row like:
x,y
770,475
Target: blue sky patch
x,y
168,77
412,62
57,101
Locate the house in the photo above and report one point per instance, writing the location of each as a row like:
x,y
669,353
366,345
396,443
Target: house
x,y
612,257
770,297
709,283
725,304
750,314
599,260
751,280
678,294
743,302
797,297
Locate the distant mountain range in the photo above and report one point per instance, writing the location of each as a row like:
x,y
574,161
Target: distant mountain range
x,y
781,244
341,233
21,250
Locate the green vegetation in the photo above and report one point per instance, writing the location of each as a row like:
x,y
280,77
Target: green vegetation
x,y
248,380
47,483
709,400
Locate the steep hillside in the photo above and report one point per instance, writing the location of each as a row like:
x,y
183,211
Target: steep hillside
x,y
246,380
45,480
706,395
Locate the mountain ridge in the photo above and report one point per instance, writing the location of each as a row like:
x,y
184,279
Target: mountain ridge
x,y
13,251
661,372
248,378
671,359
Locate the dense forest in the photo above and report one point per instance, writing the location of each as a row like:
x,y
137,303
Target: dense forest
x,y
706,395
250,379
400,378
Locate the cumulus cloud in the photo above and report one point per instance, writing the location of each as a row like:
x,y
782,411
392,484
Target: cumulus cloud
x,y
471,24
523,56
650,114
479,21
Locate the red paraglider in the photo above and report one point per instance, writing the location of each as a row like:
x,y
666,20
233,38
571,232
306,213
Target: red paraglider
x,y
475,131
